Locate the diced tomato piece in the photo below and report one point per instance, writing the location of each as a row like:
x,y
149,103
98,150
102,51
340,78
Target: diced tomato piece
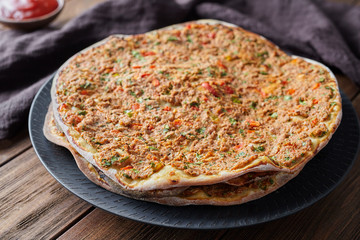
x,y
145,75
291,91
188,26
167,108
119,89
294,61
194,108
315,101
207,86
221,83
314,121
220,64
74,119
317,85
177,122
136,126
127,167
212,35
108,70
237,147
84,92
152,66
254,123
284,82
150,127
150,53
63,107
228,90
155,82
135,106
262,93
136,67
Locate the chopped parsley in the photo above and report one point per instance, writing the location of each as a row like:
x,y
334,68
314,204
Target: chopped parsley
x,y
223,73
301,101
166,128
172,38
259,149
132,94
201,130
128,113
124,159
82,112
136,54
274,115
232,121
114,159
149,107
188,39
240,154
253,105
287,97
236,100
241,131
105,162
194,104
85,85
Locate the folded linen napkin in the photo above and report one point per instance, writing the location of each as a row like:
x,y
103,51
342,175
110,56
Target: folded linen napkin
x,y
325,31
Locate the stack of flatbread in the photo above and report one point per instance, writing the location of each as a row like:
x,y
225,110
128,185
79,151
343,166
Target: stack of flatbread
x,y
197,113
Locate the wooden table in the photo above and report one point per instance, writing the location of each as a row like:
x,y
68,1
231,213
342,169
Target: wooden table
x,y
35,206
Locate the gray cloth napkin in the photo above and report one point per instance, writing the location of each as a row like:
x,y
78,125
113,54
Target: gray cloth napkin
x,y
324,31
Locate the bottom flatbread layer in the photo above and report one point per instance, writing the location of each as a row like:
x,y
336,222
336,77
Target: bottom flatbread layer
x,y
235,191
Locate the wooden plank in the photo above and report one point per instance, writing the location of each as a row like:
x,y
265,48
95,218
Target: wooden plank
x,y
9,148
34,205
335,217
103,225
346,85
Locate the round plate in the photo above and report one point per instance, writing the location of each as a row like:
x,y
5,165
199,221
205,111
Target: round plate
x,y
318,178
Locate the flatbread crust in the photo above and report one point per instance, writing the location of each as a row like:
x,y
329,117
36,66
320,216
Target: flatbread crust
x,y
170,177
174,196
53,134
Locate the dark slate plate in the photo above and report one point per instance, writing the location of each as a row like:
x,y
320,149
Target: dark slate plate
x,y
319,177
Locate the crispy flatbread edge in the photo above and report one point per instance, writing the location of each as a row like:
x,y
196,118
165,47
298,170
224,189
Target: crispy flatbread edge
x,y
162,182
166,197
92,173
280,179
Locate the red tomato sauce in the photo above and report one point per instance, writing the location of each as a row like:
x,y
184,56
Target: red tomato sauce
x,y
26,9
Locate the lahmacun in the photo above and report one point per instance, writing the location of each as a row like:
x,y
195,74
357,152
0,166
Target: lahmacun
x,y
195,105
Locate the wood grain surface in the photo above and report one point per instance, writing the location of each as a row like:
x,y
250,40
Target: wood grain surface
x,y
35,206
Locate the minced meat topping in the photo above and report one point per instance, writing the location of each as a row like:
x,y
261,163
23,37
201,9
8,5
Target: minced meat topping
x,y
203,98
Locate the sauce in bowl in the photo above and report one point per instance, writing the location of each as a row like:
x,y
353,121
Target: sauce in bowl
x,y
26,9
